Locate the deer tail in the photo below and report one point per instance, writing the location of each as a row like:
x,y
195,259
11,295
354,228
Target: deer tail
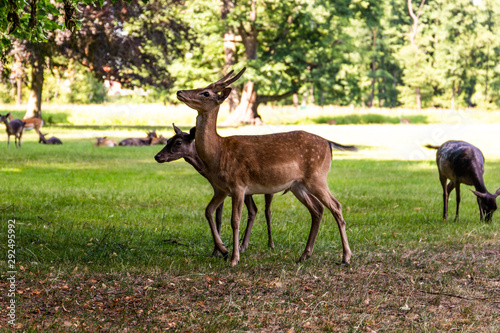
x,y
431,147
338,146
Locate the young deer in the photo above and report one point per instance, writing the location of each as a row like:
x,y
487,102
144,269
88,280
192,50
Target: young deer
x,y
261,164
105,142
14,127
52,141
461,162
182,145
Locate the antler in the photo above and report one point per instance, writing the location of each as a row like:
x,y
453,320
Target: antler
x,y
222,83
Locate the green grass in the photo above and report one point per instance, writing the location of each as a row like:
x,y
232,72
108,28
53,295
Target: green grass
x,y
105,232
370,118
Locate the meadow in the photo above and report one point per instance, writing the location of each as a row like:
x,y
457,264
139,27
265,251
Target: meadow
x,y
109,240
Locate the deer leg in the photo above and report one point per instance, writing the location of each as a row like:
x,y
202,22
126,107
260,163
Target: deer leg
x,y
218,222
269,199
443,180
217,199
20,137
237,199
8,141
316,209
320,190
252,212
457,189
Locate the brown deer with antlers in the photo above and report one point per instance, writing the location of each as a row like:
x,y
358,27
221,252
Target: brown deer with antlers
x,y
261,164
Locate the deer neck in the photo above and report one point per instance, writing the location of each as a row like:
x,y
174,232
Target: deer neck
x,y
206,138
196,161
479,185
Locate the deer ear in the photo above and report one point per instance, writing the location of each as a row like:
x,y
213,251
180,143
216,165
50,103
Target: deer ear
x,y
192,133
479,194
223,95
177,130
497,193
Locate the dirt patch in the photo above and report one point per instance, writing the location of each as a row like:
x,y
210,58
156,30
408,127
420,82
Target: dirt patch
x,y
417,290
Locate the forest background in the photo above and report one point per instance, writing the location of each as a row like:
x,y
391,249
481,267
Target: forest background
x,y
360,53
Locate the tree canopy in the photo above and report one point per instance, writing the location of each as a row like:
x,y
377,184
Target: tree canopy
x,y
385,53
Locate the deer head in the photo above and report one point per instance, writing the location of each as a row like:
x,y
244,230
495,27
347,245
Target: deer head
x,y
212,96
179,146
487,203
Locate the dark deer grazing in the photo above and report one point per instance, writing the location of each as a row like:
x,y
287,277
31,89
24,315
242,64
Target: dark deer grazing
x,y
139,141
105,142
182,145
14,127
52,141
463,163
261,164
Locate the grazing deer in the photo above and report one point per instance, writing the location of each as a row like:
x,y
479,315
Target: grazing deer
x,y
105,142
52,141
461,162
261,164
14,127
182,145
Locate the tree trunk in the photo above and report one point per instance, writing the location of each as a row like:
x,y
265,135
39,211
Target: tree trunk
x,y
19,82
230,60
246,112
418,99
34,109
295,99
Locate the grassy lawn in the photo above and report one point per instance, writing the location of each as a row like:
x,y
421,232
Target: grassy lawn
x,y
108,240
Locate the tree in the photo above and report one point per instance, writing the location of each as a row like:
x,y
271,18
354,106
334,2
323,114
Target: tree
x,y
112,45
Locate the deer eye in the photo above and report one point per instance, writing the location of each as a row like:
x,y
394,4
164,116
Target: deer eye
x,y
206,94
178,143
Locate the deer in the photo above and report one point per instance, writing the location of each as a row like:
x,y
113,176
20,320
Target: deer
x,y
262,164
139,141
52,141
182,145
105,142
13,127
463,163
161,140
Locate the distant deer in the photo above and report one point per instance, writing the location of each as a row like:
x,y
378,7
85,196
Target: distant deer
x,y
182,145
461,162
161,140
262,164
105,142
139,141
52,141
14,127
33,123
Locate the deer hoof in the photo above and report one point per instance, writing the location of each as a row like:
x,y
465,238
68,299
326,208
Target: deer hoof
x,y
216,253
234,263
243,247
303,257
271,245
225,255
